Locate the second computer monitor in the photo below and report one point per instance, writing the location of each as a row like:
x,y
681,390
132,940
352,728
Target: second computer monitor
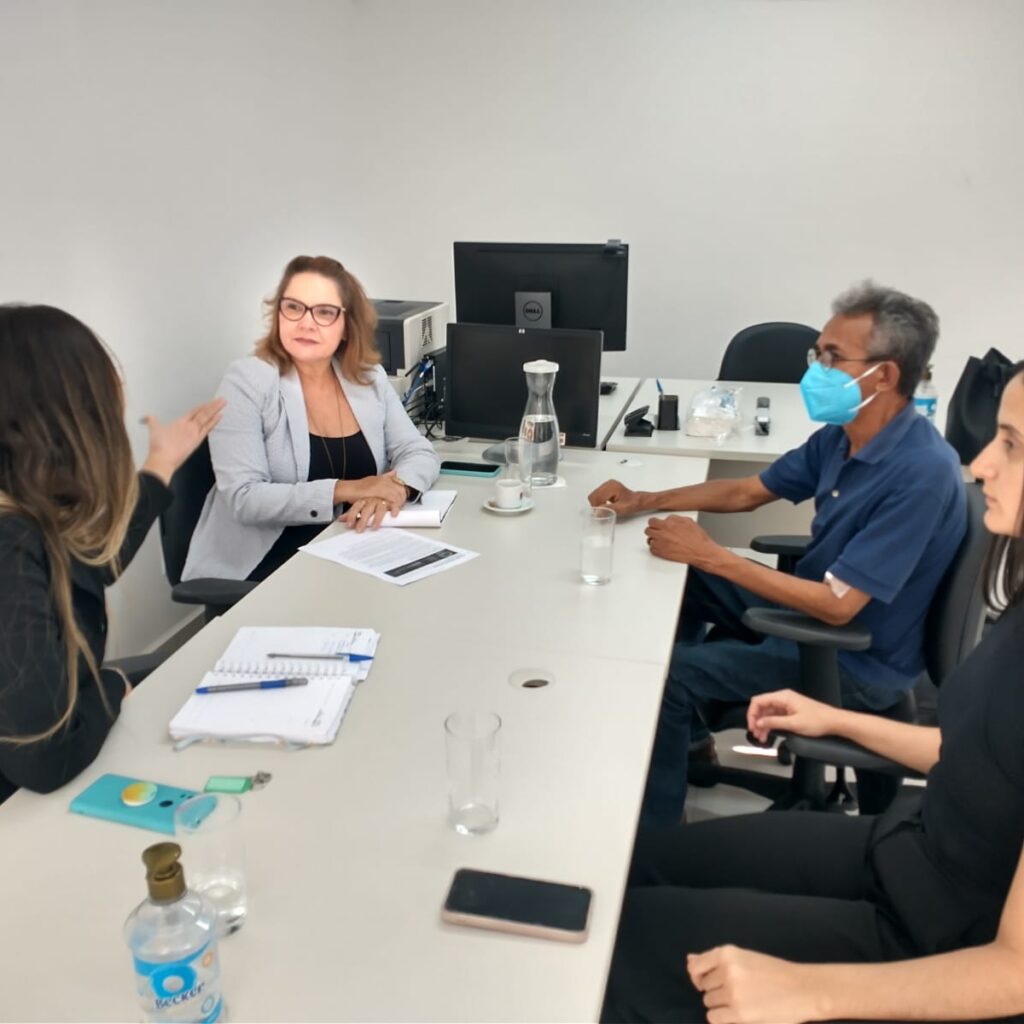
x,y
486,390
579,287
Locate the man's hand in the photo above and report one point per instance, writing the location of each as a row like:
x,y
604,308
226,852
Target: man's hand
x,y
680,539
741,987
789,711
617,496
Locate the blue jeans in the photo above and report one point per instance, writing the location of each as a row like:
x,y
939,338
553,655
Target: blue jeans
x,y
733,668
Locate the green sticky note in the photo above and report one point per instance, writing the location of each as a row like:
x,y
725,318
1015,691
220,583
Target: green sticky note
x,y
228,784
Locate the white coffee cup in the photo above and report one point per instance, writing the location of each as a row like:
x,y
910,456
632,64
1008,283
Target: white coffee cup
x,y
508,493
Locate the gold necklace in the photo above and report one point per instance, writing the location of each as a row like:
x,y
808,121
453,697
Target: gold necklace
x,y
323,439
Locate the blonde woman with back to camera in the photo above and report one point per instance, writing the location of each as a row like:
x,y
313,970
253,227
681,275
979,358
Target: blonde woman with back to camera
x,y
312,430
73,512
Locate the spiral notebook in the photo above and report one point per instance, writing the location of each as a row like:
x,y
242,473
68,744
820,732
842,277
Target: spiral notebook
x,y
310,714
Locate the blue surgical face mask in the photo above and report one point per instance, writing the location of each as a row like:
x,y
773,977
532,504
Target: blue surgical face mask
x,y
833,396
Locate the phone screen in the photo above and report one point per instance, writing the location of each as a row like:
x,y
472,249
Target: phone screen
x,y
483,468
525,900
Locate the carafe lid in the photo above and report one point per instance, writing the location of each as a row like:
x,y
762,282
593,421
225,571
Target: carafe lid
x,y
540,366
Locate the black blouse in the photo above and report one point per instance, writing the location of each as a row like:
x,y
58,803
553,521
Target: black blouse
x,y
330,458
946,870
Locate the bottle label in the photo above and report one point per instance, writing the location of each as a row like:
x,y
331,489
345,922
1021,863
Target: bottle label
x,y
188,986
927,406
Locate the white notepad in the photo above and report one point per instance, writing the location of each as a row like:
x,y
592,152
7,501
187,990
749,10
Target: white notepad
x,y
310,714
429,511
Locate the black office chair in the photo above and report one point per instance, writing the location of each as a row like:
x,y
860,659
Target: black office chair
x,y
775,353
190,485
952,629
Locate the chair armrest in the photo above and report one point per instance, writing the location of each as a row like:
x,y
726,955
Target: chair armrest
x,y
214,592
781,544
833,750
792,625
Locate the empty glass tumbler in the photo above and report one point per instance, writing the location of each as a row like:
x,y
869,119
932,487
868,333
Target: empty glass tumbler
x,y
471,742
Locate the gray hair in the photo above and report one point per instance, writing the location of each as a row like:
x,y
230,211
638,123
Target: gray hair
x,y
904,329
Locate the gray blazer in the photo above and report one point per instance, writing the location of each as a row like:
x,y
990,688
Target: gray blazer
x,y
260,453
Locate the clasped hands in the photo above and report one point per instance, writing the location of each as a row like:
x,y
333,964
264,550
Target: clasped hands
x,y
371,499
675,538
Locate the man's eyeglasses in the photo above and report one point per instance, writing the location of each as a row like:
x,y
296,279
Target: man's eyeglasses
x,y
829,359
324,315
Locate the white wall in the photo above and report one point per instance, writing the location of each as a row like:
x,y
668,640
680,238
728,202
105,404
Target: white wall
x,y
161,161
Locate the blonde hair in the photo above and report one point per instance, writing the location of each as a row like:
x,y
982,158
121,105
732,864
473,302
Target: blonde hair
x,y
65,461
357,352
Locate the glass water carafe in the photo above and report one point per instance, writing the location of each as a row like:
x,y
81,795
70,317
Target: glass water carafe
x,y
539,427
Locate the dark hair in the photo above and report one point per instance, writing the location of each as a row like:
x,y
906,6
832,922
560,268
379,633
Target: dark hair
x,y
1003,574
65,460
357,351
904,330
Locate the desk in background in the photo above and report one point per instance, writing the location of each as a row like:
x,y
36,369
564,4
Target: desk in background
x,y
349,853
743,454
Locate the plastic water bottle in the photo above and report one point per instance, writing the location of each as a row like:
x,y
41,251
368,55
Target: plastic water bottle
x,y
926,398
173,939
539,426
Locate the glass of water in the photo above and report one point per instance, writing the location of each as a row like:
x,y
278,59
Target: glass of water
x,y
213,856
598,533
471,742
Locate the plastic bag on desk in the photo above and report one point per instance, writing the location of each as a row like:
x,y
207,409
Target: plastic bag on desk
x,y
714,412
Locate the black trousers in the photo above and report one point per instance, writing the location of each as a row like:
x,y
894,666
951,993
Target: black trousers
x,y
790,884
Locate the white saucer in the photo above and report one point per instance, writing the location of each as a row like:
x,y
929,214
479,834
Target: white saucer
x,y
489,506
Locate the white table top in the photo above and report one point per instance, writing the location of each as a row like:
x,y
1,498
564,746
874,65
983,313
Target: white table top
x,y
349,853
790,426
611,408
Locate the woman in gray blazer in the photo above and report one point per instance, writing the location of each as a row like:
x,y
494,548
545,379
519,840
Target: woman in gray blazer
x,y
312,428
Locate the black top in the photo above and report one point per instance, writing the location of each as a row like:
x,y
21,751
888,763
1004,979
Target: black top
x,y
947,869
350,459
33,677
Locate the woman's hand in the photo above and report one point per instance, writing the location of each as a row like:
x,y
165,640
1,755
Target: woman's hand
x,y
170,444
789,711
741,987
372,498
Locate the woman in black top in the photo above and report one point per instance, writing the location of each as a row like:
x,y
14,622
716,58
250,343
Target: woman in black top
x,y
72,515
908,916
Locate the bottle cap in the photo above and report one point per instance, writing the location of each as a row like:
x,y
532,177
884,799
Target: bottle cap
x,y
540,366
164,875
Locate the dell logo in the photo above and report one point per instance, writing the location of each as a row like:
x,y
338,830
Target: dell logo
x,y
533,310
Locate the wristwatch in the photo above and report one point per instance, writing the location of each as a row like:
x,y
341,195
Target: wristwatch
x,y
411,494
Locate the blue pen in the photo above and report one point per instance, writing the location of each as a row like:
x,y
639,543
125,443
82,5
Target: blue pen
x,y
325,657
256,684
661,390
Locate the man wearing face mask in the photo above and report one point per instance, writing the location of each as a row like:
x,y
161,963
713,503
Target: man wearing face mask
x,y
890,515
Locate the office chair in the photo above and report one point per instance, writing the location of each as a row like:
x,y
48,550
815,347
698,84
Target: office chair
x,y
190,485
953,627
775,353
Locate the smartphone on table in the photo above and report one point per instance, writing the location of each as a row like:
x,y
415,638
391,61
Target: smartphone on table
x,y
523,906
485,469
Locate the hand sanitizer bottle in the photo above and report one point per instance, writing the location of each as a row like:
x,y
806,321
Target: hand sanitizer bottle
x,y
926,398
173,939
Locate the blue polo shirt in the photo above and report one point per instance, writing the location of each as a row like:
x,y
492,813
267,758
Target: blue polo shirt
x,y
888,521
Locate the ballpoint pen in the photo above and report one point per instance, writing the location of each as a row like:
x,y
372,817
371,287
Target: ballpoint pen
x,y
657,381
324,657
256,684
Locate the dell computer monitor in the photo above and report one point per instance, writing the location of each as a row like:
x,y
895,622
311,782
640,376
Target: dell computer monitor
x,y
486,391
579,287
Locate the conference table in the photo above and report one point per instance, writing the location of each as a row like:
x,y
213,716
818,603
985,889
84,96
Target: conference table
x,y
349,853
742,453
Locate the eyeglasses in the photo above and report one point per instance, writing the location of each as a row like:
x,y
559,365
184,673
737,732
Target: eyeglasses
x,y
324,315
829,359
